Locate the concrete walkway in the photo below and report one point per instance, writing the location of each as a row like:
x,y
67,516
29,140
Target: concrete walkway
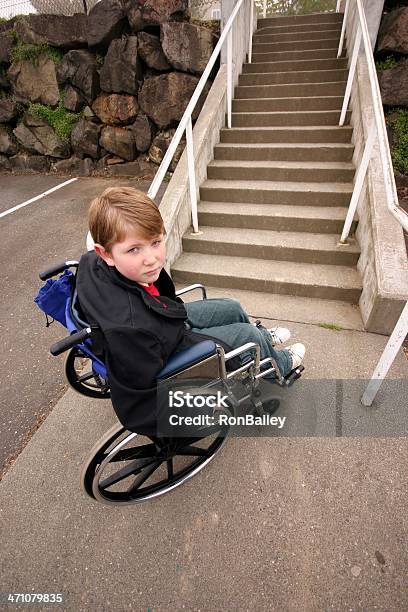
x,y
296,521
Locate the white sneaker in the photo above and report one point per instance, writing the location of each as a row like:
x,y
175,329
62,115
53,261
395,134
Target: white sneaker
x,y
297,352
279,335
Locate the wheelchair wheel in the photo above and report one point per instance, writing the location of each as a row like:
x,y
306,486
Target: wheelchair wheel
x,y
126,468
82,378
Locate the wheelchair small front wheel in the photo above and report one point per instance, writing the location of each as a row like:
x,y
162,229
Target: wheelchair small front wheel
x,y
126,468
81,376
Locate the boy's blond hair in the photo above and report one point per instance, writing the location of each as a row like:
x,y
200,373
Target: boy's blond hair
x,y
120,210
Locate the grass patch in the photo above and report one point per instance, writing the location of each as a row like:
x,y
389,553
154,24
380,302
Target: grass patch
x,y
331,326
386,64
399,151
59,118
23,51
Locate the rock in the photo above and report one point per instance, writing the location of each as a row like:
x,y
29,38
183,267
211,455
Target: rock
x,y
4,82
144,131
115,109
73,100
89,114
8,110
394,85
112,160
119,141
106,21
6,44
74,165
393,33
36,135
30,163
187,47
55,30
151,52
4,163
141,14
164,98
85,139
79,68
136,169
34,81
7,144
160,145
121,69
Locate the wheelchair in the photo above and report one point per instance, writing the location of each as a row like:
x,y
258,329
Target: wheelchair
x,y
125,467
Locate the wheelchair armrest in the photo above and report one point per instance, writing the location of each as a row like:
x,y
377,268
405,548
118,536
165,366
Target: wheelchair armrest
x,y
187,358
191,288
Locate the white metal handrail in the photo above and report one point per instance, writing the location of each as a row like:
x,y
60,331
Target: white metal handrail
x,y
186,121
377,129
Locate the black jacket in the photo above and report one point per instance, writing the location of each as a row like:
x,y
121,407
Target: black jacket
x,y
140,332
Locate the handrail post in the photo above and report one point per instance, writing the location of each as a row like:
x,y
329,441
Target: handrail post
x,y
343,29
387,358
264,8
229,78
338,6
191,175
350,79
251,27
359,183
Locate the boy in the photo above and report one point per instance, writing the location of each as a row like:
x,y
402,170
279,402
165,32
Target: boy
x,y
124,289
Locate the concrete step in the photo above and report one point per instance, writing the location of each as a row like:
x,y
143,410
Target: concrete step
x,y
301,45
283,78
272,245
269,192
300,279
278,217
291,90
300,19
289,118
278,56
283,309
309,172
295,38
296,28
254,105
300,134
303,65
288,152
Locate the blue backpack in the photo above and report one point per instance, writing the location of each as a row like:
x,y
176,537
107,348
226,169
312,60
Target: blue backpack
x,y
53,296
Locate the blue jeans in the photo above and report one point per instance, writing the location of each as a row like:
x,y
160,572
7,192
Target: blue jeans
x,y
226,320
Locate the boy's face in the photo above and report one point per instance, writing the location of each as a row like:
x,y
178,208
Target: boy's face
x,y
135,258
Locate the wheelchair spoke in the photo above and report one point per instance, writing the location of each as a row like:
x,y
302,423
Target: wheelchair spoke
x,y
139,452
170,471
86,377
134,468
137,483
194,451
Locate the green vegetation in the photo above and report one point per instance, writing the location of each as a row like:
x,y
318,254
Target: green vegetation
x,y
99,59
59,118
331,326
23,51
386,64
399,152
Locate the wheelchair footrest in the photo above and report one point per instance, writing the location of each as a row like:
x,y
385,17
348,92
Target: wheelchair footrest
x,y
294,375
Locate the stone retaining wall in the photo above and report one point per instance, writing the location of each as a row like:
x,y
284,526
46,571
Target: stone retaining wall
x,y
122,76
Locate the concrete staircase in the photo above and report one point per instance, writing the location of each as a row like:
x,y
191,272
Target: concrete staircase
x,y
274,203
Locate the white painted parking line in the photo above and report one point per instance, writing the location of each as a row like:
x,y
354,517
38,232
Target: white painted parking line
x,y
31,200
